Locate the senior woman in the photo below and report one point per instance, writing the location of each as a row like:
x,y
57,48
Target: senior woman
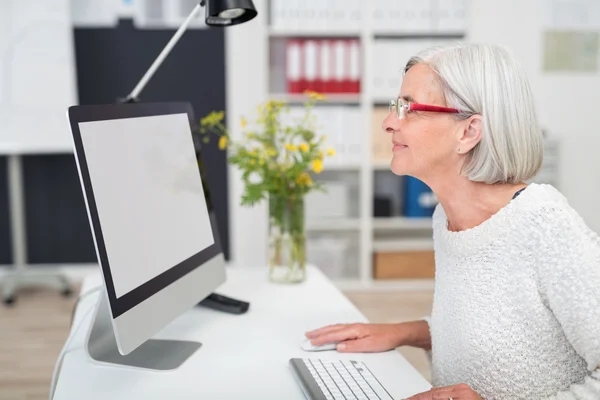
x,y
516,311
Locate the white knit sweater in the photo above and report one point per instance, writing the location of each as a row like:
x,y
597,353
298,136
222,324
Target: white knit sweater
x,y
516,311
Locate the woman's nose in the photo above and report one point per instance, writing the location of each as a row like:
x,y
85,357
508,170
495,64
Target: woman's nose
x,y
390,123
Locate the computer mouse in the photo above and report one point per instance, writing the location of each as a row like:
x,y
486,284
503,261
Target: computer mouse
x,y
308,346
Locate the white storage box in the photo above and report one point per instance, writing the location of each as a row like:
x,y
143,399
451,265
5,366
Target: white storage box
x,y
329,255
333,203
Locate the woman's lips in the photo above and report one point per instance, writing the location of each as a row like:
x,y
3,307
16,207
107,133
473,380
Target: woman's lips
x,y
398,146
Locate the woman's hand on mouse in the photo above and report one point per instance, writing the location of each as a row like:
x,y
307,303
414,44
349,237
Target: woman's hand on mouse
x,y
366,338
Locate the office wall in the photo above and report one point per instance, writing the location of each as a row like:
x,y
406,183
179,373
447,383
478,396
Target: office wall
x,y
567,102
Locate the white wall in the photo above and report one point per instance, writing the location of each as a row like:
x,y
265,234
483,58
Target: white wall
x,y
246,81
568,103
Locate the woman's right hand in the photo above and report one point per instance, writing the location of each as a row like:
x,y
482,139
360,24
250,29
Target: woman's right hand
x,y
368,338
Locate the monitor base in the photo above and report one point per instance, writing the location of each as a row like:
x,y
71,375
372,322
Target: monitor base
x,y
154,354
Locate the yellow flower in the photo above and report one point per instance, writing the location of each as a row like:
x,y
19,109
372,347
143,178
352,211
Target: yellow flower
x,y
252,162
291,147
271,152
304,179
261,161
331,152
275,104
304,147
212,119
315,95
317,166
223,142
243,122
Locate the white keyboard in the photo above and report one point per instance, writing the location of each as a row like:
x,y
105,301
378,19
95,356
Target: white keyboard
x,y
336,379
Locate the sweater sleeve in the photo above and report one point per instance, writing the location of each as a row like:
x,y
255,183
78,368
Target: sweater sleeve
x,y
569,281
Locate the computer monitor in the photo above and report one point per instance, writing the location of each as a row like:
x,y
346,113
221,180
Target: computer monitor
x,y
153,224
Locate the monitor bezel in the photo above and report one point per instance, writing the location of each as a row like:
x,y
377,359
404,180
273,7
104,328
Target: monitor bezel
x,y
90,113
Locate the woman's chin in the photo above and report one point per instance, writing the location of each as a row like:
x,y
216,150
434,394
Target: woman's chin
x,y
399,167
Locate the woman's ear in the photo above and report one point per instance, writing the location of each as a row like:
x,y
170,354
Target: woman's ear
x,y
470,134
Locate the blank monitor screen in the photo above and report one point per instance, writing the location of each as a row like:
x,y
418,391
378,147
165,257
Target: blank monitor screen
x,y
151,202
148,206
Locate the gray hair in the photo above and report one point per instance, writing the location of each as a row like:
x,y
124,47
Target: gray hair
x,y
488,80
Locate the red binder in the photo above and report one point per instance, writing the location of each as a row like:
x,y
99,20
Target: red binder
x,y
326,66
318,85
310,58
355,66
340,62
293,66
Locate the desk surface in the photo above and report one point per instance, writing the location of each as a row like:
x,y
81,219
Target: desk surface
x,y
242,356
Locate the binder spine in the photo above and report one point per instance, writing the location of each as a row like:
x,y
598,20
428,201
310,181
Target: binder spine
x,y
310,65
293,66
355,67
340,66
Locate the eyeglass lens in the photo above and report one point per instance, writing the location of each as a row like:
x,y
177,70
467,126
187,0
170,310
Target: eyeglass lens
x,y
397,106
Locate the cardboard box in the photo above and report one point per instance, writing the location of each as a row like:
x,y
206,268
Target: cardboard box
x,y
417,264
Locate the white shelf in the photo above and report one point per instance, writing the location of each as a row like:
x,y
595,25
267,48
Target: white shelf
x,y
340,167
393,245
292,33
336,98
401,285
418,35
8,148
333,224
381,101
401,223
381,166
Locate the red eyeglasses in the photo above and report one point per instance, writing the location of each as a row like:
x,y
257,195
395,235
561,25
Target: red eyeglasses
x,y
401,107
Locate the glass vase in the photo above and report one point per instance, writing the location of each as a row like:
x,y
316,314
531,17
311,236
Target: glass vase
x,y
287,239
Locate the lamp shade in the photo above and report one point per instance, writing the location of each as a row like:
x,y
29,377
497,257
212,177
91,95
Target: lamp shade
x,y
228,12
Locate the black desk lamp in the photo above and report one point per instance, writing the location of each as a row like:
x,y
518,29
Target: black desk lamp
x,y
219,13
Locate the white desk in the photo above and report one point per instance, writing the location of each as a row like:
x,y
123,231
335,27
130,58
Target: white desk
x,y
242,356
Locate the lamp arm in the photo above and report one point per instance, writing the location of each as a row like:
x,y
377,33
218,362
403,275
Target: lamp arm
x,y
163,54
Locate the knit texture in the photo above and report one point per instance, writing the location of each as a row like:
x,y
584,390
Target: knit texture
x,y
516,311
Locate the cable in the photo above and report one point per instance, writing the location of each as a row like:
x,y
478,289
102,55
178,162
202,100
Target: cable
x,y
65,348
81,297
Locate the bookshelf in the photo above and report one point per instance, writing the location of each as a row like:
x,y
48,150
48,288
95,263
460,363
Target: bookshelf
x,y
359,233
389,33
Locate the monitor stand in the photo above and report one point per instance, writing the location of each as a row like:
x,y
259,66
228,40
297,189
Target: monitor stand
x,y
154,354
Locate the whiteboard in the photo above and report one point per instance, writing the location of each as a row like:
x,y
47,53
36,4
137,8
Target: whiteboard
x,y
37,76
